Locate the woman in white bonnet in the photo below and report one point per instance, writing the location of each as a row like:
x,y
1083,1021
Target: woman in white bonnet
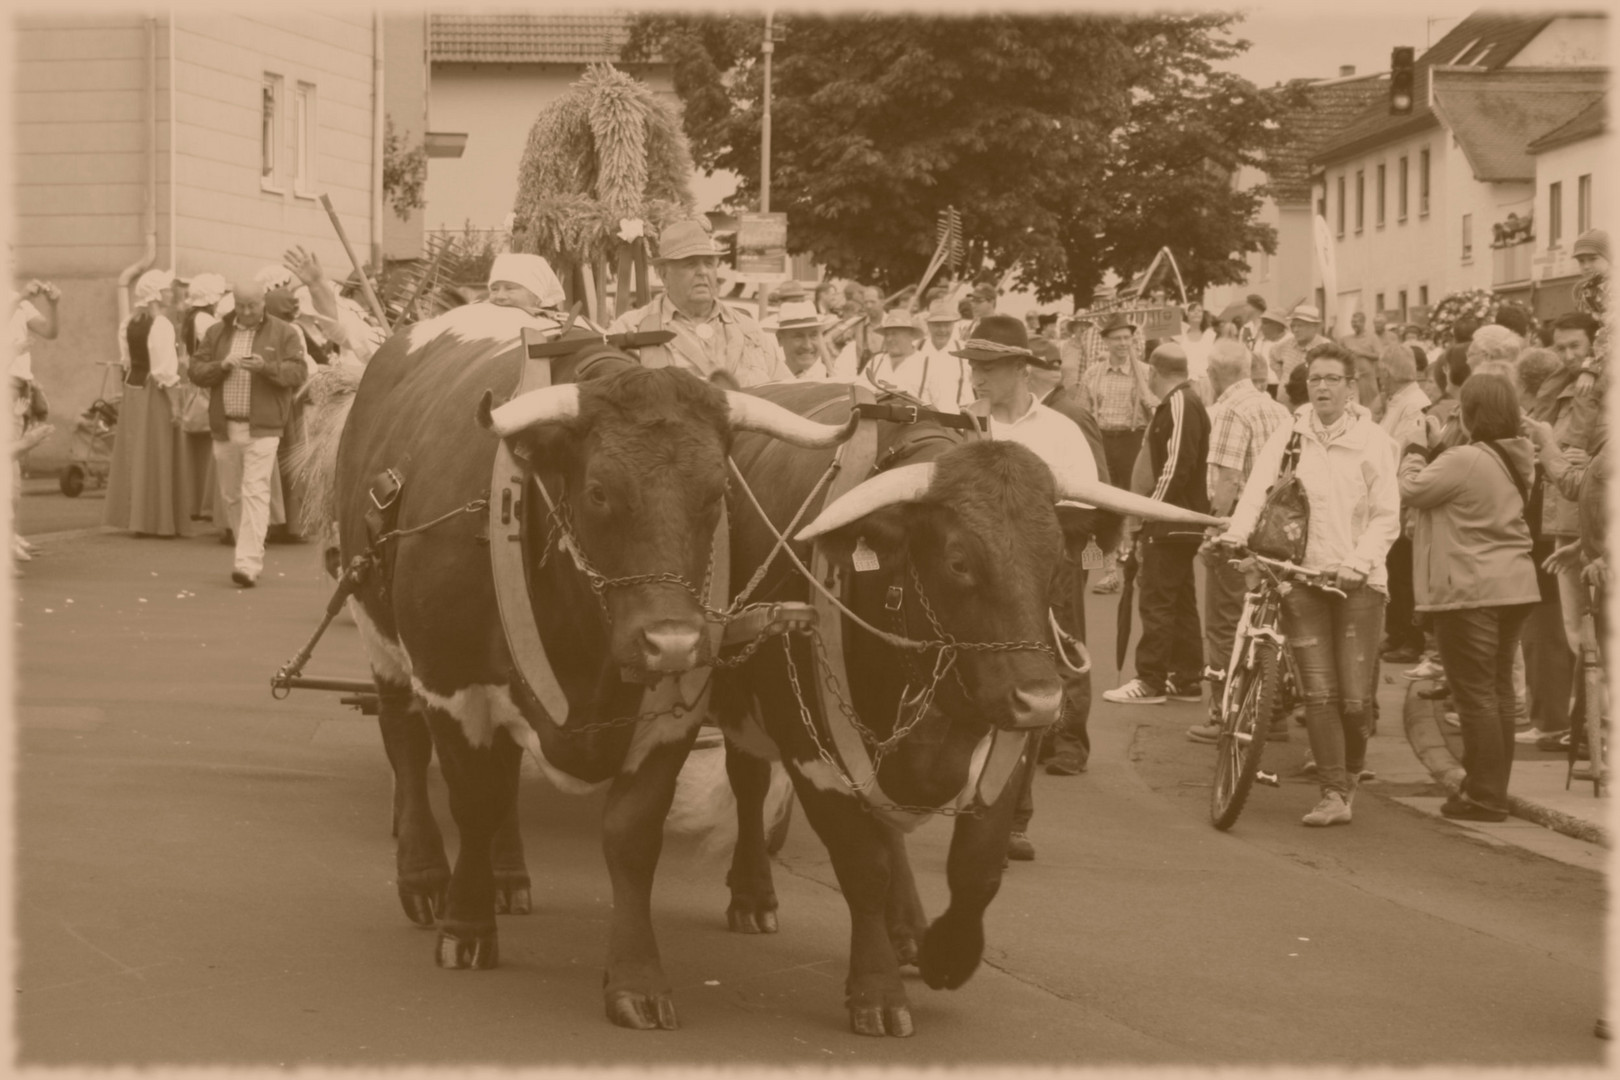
x,y
526,282
203,296
143,490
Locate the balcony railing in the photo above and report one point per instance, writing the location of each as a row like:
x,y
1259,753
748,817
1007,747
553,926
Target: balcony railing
x,y
1511,263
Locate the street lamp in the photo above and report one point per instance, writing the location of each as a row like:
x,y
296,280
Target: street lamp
x,y
767,47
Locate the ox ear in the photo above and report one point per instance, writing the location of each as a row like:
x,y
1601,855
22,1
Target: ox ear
x,y
881,534
549,447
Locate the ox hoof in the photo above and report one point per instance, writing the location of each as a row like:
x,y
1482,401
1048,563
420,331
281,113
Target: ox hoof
x,y
950,952
643,1012
882,1020
467,948
743,917
422,908
512,900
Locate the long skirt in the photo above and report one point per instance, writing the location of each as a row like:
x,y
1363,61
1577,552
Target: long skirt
x,y
144,492
197,474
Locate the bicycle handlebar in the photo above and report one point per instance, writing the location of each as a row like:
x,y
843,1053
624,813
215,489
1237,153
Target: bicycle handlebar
x,y
1315,578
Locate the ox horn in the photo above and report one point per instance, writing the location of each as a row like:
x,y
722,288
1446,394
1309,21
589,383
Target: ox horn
x,y
902,485
547,405
1072,489
750,413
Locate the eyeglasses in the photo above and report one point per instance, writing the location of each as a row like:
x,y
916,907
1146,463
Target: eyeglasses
x,y
1326,380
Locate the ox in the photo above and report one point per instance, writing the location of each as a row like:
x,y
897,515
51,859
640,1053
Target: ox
x,y
950,540
635,460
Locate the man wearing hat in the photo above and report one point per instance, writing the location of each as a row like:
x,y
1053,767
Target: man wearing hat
x,y
1274,347
710,337
1591,252
903,368
941,323
1304,325
999,358
1115,392
798,328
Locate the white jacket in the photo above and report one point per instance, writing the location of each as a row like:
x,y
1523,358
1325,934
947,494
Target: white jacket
x,y
1353,488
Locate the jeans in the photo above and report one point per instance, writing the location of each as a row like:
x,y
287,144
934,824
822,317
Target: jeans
x,y
1403,632
1549,665
1069,734
1476,647
1172,640
1334,642
244,464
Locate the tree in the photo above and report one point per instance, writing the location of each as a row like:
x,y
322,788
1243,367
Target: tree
x,y
404,171
1071,144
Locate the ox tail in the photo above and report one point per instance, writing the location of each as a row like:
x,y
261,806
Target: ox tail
x,y
328,396
705,808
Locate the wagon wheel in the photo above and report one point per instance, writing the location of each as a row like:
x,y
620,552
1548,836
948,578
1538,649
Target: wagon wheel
x,y
72,481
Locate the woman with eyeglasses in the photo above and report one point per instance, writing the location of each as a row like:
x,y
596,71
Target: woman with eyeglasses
x,y
1347,465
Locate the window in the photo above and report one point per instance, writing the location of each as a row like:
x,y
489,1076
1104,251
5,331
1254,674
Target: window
x,y
1400,194
1379,197
1341,206
304,140
269,129
1401,297
1555,214
1583,204
1423,182
1321,207
1361,199
1468,237
1423,296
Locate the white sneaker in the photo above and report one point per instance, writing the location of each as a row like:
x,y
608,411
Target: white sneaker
x,y
1428,669
1529,736
1332,810
1135,692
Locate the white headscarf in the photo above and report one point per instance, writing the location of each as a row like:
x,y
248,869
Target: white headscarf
x,y
276,276
205,289
150,285
533,273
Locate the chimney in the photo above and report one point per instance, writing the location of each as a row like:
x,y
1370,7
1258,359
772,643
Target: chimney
x,y
1346,70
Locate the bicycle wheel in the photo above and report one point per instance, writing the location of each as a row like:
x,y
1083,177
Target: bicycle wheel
x,y
1597,734
1243,735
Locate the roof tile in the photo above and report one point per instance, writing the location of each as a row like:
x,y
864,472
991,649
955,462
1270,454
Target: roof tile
x,y
1330,106
1496,115
1588,123
520,39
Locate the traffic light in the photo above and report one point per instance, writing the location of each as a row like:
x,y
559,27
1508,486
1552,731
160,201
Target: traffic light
x,y
1400,81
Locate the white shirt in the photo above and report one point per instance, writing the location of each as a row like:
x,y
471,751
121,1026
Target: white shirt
x,y
1196,346
932,379
1050,435
22,362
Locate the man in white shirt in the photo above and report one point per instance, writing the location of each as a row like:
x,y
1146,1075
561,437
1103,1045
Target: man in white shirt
x,y
998,358
941,324
904,368
798,328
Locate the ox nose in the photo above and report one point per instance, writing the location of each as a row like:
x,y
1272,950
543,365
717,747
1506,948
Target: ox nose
x,y
1036,705
670,647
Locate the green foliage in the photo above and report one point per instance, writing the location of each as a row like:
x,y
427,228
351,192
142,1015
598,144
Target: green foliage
x,y
404,171
1072,144
607,150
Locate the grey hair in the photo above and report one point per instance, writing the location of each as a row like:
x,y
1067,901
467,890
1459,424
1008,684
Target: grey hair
x,y
1399,362
1493,343
1231,359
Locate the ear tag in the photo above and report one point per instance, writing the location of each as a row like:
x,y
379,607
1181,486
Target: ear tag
x,y
863,557
1092,558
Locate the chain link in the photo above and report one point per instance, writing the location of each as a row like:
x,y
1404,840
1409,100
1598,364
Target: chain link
x,y
677,710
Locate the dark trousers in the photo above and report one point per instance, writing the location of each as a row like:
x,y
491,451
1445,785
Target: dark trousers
x,y
1398,617
1476,647
1549,666
1068,604
1120,449
1172,641
1223,607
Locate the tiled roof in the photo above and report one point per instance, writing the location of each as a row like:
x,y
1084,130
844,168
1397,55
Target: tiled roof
x,y
1588,123
1329,107
1485,39
1496,115
527,39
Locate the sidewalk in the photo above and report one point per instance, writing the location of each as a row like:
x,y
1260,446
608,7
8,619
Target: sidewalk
x,y
1536,790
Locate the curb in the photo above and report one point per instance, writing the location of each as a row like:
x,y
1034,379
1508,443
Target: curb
x,y
1558,821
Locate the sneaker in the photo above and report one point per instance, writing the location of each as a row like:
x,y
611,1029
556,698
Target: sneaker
x,y
1438,690
1462,808
1019,847
1451,719
1135,692
1365,776
1108,583
1204,733
1176,692
1306,768
1429,669
1066,763
1556,743
1332,810
247,581
1532,736
1401,656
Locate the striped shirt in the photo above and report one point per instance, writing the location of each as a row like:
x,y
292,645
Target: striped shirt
x,y
238,385
1117,396
1240,422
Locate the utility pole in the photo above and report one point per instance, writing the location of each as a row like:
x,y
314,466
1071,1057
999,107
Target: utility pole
x,y
767,47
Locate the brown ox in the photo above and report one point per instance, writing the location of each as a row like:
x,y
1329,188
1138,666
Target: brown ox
x,y
967,541
637,460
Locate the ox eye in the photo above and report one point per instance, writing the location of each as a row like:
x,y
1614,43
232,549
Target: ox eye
x,y
958,566
596,497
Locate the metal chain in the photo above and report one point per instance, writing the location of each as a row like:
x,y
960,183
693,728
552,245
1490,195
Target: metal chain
x,y
473,507
677,710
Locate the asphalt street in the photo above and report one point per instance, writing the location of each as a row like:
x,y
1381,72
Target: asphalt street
x,y
204,877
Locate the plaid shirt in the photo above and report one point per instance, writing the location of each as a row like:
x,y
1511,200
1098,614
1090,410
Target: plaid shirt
x,y
238,385
1116,396
1240,422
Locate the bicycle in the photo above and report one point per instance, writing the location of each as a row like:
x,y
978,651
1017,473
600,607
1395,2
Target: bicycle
x,y
1595,721
1259,684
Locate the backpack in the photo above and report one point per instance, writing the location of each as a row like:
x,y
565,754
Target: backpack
x,y
1284,524
1532,503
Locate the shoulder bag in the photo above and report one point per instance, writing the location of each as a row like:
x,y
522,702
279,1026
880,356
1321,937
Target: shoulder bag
x,y
1283,527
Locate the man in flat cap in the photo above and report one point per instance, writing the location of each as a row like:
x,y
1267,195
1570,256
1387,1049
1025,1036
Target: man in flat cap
x,y
1115,392
711,339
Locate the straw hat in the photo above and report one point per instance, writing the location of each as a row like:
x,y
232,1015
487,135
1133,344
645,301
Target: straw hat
x,y
798,315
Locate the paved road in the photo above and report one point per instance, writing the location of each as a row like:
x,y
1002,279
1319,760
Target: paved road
x,y
205,878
